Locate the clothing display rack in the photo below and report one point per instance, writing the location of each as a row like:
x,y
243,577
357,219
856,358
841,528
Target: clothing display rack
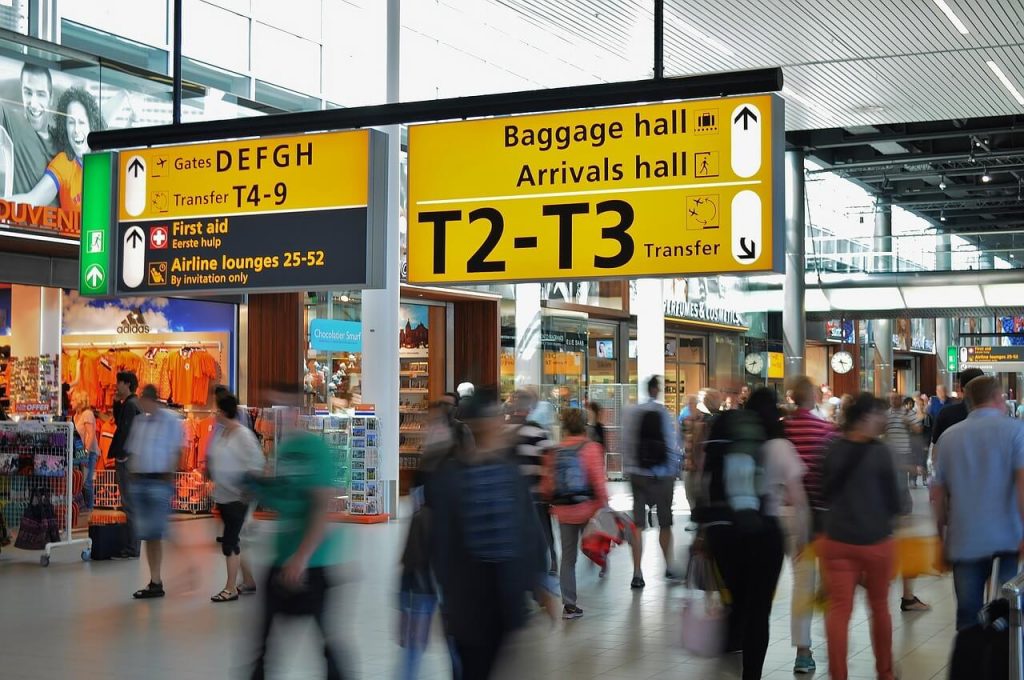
x,y
50,446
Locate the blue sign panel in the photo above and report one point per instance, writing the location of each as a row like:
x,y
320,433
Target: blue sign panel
x,y
327,335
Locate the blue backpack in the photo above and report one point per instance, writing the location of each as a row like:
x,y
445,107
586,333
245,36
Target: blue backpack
x,y
571,483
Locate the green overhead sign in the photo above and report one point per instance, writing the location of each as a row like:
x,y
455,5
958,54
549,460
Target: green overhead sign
x,y
94,275
951,362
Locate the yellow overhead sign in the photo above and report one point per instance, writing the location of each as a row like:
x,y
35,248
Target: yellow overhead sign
x,y
656,190
277,174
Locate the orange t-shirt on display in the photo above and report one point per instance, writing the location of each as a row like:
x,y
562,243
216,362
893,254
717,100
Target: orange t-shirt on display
x,y
206,427
89,376
204,370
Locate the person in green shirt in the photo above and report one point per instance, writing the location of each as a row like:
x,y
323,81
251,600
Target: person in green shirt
x,y
305,547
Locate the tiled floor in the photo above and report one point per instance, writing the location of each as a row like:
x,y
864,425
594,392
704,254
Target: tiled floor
x,y
75,620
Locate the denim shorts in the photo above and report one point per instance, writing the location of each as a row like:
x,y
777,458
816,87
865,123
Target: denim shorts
x,y
151,501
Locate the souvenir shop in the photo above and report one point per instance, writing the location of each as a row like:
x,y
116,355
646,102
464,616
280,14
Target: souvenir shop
x,y
61,352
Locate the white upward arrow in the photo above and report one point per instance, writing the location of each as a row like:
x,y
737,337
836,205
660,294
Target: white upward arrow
x,y
94,276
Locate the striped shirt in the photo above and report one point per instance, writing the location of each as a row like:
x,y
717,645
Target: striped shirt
x,y
809,434
489,511
532,443
897,436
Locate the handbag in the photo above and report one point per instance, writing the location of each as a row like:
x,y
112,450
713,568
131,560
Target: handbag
x,y
38,523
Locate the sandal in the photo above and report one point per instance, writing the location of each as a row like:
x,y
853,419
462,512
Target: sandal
x,y
149,592
913,605
246,590
225,596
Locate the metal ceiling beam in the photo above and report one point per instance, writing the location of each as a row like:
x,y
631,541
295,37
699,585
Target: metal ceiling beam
x,y
986,202
972,169
907,159
862,140
997,192
506,103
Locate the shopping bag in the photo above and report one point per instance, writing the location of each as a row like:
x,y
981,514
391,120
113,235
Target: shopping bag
x,y
8,463
918,556
417,612
38,523
705,620
5,536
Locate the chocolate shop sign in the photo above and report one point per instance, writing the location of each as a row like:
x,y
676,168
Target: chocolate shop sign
x,y
700,311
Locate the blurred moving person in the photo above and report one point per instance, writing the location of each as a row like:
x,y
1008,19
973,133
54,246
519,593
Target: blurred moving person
x,y
233,454
596,430
575,483
978,493
532,443
305,547
126,410
652,460
486,549
417,591
809,435
955,411
154,448
898,436
862,494
750,467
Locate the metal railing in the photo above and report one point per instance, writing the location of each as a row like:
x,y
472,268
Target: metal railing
x,y
920,252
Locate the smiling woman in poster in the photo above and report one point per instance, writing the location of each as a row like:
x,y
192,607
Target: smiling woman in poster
x,y
78,114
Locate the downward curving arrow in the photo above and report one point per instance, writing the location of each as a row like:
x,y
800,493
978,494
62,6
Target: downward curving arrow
x,y
749,251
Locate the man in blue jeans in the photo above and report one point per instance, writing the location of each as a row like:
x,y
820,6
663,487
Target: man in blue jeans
x,y
978,493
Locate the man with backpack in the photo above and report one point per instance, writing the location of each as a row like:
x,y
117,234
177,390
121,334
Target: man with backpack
x,y
575,485
652,460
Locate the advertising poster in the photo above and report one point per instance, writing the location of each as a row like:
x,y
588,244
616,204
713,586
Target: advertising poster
x,y
922,332
45,120
839,330
901,336
1013,325
413,330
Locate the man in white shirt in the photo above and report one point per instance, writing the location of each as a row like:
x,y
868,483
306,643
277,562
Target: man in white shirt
x,y
155,447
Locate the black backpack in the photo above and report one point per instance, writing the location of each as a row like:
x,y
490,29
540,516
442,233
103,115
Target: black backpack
x,y
651,447
734,476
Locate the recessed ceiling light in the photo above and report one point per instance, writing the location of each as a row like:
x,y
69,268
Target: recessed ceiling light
x,y
951,15
1007,83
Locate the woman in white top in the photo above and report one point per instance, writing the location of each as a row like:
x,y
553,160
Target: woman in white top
x,y
85,425
234,453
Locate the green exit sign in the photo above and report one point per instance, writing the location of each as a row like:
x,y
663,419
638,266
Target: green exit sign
x,y
94,260
951,363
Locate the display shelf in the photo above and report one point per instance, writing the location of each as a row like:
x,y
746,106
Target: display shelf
x,y
412,431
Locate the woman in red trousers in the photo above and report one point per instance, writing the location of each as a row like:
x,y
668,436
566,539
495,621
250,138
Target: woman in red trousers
x,y
861,492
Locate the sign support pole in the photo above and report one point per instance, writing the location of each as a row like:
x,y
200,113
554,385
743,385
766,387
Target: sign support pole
x,y
794,322
380,307
650,334
176,56
659,39
943,340
528,353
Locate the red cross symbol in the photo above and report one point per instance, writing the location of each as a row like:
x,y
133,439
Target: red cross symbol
x,y
158,238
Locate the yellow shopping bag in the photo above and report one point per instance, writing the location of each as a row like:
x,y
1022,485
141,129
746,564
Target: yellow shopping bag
x,y
919,556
